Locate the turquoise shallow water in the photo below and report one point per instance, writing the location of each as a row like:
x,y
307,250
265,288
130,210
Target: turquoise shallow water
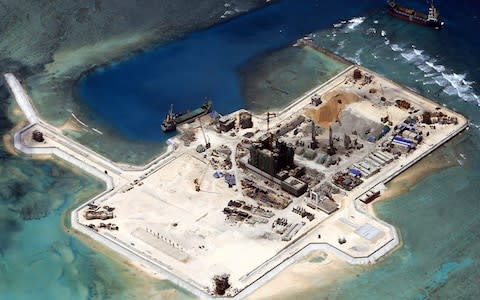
x,y
130,98
271,80
438,218
39,258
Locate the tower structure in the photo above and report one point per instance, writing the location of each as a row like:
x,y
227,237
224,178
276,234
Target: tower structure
x,y
314,144
331,149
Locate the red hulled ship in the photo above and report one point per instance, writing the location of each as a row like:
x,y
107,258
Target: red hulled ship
x,y
408,14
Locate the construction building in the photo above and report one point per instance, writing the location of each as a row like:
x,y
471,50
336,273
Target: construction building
x,y
294,186
226,123
271,157
245,120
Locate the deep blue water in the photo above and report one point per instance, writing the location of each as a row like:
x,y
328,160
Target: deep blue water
x,y
438,218
133,96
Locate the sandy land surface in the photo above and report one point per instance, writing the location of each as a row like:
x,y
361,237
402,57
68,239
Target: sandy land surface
x,y
8,145
304,275
68,59
141,277
366,109
17,112
198,216
7,138
70,124
431,164
333,104
149,200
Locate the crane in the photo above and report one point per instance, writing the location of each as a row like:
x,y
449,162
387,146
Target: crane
x,y
383,94
269,114
207,141
198,181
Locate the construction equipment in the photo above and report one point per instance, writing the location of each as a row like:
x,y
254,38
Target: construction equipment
x,y
197,185
314,144
198,181
269,114
207,141
331,149
383,94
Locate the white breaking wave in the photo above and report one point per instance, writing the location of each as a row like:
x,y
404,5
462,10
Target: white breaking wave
x,y
396,48
409,56
227,13
460,87
332,36
455,85
78,120
438,68
417,51
356,58
353,23
231,10
415,55
97,131
424,68
371,30
452,83
384,33
440,81
429,82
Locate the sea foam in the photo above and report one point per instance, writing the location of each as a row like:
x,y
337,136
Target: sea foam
x,y
452,83
396,48
353,23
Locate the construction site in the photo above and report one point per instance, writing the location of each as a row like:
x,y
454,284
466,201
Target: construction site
x,y
241,193
238,197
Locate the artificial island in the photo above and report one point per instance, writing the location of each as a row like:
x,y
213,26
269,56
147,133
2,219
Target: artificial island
x,y
237,198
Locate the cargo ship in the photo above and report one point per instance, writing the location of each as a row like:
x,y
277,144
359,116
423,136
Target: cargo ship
x,y
172,120
408,14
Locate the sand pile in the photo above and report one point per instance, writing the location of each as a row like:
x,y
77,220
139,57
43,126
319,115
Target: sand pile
x,y
333,104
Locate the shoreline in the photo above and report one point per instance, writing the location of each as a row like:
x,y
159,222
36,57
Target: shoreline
x,y
152,44
416,174
288,279
119,176
278,267
66,64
